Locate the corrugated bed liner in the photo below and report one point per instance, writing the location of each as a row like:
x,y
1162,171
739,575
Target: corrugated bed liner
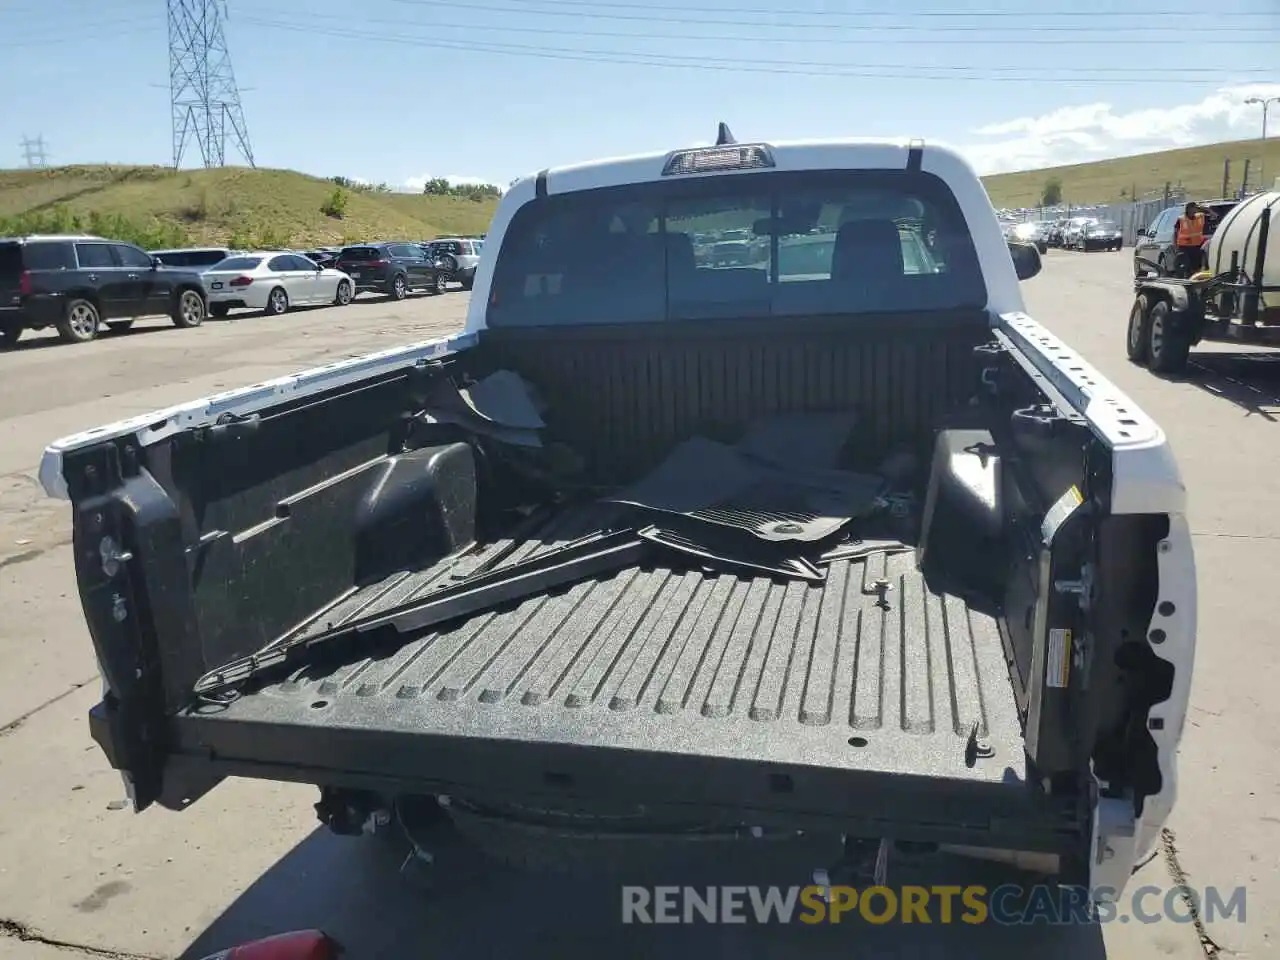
x,y
723,665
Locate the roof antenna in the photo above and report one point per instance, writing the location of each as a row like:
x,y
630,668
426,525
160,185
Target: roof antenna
x,y
725,136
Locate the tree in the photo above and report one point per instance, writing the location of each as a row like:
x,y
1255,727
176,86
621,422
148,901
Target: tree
x,y
1052,195
440,187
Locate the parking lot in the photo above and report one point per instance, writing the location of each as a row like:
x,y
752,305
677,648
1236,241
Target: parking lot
x,y
81,876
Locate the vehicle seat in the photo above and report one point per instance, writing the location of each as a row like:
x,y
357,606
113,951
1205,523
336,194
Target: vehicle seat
x,y
868,260
681,262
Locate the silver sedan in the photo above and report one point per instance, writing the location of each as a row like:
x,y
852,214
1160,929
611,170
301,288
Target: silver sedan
x,y
273,282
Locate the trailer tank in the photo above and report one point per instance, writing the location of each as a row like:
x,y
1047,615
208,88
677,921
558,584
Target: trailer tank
x,y
1239,233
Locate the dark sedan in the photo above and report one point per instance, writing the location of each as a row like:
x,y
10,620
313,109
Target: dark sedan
x,y
323,256
1099,235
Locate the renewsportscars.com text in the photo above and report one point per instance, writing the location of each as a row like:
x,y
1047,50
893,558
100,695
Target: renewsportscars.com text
x,y
1007,905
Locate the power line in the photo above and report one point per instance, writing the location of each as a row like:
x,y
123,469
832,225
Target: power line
x,y
920,34
877,11
21,18
637,58
524,8
60,35
34,152
204,98
471,28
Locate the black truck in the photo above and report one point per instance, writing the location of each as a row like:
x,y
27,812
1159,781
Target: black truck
x,y
658,554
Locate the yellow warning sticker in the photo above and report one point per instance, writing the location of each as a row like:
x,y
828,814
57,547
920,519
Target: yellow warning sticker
x,y
1058,669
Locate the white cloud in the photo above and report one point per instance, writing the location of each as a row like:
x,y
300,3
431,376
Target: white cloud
x,y
415,184
1095,131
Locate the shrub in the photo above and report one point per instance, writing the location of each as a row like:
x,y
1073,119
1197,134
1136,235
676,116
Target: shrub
x,y
336,205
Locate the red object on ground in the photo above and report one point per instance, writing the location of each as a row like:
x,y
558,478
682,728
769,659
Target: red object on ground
x,y
299,945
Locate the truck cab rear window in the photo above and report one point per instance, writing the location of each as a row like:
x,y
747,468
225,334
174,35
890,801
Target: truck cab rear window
x,y
741,246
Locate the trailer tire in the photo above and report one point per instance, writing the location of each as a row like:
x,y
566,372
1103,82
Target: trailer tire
x,y
1137,340
1168,348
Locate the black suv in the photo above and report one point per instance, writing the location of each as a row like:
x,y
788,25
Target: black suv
x,y
391,268
200,257
78,283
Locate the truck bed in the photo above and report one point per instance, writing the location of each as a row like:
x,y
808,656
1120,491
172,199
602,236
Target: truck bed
x,y
803,681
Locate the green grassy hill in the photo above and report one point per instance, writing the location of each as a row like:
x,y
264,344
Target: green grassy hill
x,y
156,206
1198,169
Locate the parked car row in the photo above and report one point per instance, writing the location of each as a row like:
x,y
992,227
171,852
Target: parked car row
x,y
82,284
1082,233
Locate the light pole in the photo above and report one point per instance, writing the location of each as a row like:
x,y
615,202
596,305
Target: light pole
x,y
1265,102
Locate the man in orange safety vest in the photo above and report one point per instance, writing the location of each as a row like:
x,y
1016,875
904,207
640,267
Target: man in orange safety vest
x,y
1188,238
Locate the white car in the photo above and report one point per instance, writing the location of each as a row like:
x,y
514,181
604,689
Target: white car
x,y
1075,226
461,257
273,281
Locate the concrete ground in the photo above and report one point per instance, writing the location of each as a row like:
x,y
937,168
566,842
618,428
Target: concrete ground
x,y
80,876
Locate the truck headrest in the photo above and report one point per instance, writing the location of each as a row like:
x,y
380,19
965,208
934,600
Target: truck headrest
x,y
867,248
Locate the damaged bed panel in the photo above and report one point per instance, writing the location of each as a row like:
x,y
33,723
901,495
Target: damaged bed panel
x,y
866,672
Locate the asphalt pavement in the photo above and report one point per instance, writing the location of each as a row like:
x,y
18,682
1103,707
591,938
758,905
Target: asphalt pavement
x,y
81,876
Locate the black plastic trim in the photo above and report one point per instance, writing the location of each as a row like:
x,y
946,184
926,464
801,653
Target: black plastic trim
x,y
691,787
915,155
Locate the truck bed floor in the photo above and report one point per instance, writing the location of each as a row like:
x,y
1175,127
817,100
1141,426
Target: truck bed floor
x,y
721,667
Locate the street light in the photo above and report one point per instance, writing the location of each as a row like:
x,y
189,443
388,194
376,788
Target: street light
x,y
1266,103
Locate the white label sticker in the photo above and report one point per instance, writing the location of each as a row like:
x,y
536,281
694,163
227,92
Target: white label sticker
x,y
1058,669
1057,514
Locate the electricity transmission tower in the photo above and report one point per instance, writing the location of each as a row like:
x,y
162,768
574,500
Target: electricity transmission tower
x,y
203,94
33,151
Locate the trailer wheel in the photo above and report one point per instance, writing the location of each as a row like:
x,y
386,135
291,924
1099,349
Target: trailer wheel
x,y
1169,348
1136,342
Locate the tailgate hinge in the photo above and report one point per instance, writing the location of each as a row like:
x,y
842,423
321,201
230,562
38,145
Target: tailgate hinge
x,y
1082,588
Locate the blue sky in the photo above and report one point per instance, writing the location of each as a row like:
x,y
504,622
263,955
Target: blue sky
x,y
400,90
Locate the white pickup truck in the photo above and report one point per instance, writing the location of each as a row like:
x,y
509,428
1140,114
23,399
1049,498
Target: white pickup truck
x,y
666,550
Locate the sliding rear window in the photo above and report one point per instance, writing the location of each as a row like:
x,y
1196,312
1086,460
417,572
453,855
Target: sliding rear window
x,y
771,244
